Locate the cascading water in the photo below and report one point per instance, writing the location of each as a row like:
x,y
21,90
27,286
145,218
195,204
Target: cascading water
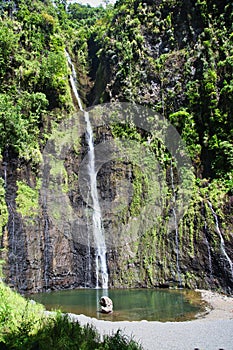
x,y
5,165
222,243
46,250
209,251
13,253
47,261
15,241
73,82
5,174
176,225
98,232
88,264
101,264
12,214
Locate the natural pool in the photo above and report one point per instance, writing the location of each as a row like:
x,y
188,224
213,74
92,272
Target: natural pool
x,y
129,304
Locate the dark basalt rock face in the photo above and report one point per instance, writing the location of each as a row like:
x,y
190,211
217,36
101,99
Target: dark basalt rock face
x,y
41,255
38,256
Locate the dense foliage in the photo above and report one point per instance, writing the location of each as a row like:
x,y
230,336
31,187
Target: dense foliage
x,y
33,75
176,57
140,41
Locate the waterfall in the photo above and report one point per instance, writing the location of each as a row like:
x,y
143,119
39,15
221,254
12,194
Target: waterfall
x,y
88,264
5,174
73,82
46,251
176,225
5,164
13,252
222,243
209,251
15,234
11,210
98,232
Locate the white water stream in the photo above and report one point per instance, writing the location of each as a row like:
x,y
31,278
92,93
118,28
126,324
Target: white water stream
x,y
46,252
209,251
5,174
222,243
73,82
176,226
98,232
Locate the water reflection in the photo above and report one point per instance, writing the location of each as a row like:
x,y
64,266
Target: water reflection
x,y
128,304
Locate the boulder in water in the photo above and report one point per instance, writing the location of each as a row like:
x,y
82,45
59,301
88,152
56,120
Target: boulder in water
x,y
106,305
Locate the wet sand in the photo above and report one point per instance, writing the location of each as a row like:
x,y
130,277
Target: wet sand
x,y
211,331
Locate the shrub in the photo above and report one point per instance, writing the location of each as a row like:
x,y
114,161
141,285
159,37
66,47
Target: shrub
x,y
24,325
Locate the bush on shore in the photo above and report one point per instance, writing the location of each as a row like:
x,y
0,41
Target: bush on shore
x,y
24,325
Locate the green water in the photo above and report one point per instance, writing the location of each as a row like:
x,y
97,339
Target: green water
x,y
128,304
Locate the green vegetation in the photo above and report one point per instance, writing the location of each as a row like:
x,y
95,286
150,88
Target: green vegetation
x,y
33,75
18,316
24,325
189,81
3,207
27,199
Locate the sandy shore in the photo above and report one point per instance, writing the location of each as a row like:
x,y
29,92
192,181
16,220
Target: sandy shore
x,y
220,307
213,331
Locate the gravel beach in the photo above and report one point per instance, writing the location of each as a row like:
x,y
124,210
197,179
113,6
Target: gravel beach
x,y
214,331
